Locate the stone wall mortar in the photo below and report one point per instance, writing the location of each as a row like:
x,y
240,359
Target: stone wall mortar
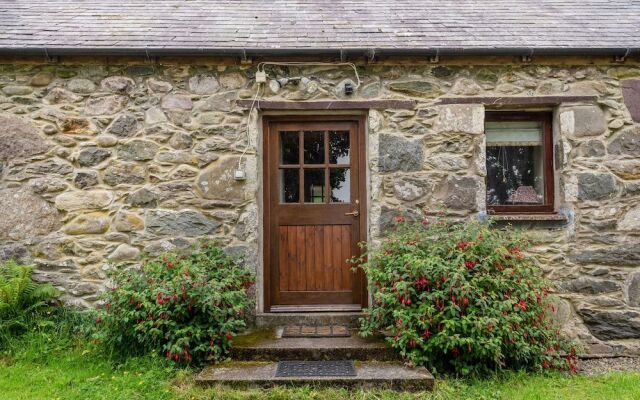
x,y
101,163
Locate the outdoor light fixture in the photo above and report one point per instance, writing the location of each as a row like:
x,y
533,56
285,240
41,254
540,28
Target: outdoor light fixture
x,y
348,89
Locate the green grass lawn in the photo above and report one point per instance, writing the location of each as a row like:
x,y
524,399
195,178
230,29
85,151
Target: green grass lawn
x,y
47,367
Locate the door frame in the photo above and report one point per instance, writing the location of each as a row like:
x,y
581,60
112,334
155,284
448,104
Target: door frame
x,y
360,120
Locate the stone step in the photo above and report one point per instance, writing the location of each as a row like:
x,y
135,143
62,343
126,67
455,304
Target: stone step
x,y
272,320
268,345
369,374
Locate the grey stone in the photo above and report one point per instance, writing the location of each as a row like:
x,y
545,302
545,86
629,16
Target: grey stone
x,y
124,252
627,143
159,86
59,95
24,215
596,186
80,85
217,181
177,102
590,286
85,179
591,148
19,138
48,167
13,251
124,173
47,185
143,198
633,290
461,193
41,79
90,156
106,141
76,126
184,223
15,90
441,71
166,245
588,121
128,222
176,157
625,169
411,188
232,80
203,84
106,105
137,150
611,325
154,115
461,118
124,124
217,102
400,154
620,256
84,200
118,84
181,141
388,217
631,97
87,224
416,88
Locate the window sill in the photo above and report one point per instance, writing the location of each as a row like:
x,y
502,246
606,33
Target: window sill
x,y
528,217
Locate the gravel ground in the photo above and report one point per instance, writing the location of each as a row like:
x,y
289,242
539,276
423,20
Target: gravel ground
x,y
597,366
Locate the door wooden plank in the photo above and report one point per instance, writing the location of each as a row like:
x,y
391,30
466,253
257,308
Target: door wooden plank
x,y
293,257
300,267
337,255
319,258
345,231
310,257
282,258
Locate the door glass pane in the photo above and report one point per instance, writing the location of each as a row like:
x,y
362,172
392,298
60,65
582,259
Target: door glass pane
x,y
340,181
339,147
313,147
289,185
289,147
515,163
314,186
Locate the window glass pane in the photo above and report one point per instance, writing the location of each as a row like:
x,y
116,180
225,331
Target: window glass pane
x,y
314,185
289,185
515,163
340,181
289,147
339,147
313,147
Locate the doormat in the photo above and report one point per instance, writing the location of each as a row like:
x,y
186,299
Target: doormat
x,y
315,368
302,331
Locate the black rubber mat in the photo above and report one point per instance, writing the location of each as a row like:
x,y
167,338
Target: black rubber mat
x,y
289,369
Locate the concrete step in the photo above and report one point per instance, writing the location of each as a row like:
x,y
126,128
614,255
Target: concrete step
x,y
272,320
268,345
369,374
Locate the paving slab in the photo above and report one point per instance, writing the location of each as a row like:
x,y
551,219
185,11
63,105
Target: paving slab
x,y
369,374
268,345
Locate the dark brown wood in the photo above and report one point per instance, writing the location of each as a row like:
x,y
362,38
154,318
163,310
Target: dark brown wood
x,y
307,245
631,95
546,119
497,101
329,104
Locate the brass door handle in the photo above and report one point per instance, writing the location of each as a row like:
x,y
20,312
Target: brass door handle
x,y
354,213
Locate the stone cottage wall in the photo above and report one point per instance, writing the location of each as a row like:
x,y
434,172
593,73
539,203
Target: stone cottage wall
x,y
100,163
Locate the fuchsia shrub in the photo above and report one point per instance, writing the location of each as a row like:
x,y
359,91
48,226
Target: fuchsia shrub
x,y
462,298
186,307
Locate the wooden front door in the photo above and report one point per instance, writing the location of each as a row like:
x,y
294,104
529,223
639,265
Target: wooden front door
x,y
314,212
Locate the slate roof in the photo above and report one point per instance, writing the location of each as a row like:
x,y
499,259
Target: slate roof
x,y
290,25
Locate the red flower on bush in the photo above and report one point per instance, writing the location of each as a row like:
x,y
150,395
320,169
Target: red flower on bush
x,y
463,245
470,264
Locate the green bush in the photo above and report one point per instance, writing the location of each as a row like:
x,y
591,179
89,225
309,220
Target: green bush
x,y
21,299
462,297
188,307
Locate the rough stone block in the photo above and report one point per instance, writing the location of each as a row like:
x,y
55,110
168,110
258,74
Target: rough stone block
x,y
596,186
397,153
25,215
582,121
461,118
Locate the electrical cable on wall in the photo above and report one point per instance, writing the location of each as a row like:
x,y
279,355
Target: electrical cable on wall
x,y
239,174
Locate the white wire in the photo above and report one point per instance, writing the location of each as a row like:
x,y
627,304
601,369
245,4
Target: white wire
x,y
261,66
248,133
299,63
